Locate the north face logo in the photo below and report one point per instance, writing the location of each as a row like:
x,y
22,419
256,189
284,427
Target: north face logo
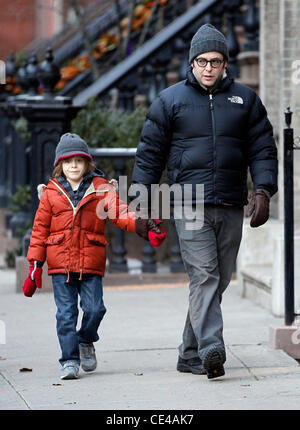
x,y
236,99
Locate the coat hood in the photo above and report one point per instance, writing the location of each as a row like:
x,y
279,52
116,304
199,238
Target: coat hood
x,y
96,173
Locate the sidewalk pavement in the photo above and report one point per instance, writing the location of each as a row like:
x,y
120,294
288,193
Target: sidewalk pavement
x,y
137,356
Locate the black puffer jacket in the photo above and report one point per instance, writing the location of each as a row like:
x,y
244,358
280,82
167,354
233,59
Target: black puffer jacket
x,y
208,139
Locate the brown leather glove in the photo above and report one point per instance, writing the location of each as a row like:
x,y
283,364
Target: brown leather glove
x,y
259,208
143,226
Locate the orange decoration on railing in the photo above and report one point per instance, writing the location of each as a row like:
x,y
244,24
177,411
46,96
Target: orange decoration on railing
x,y
81,63
10,86
151,3
141,18
107,42
69,72
60,85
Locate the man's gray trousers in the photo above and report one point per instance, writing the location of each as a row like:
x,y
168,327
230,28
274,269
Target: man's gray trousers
x,y
209,254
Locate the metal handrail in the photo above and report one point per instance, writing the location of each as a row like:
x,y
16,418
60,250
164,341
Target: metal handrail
x,y
109,79
94,29
113,152
98,18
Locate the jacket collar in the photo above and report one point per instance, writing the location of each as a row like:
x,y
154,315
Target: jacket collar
x,y
222,85
84,185
88,180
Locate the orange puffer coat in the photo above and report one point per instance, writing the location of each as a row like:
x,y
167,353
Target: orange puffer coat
x,y
73,239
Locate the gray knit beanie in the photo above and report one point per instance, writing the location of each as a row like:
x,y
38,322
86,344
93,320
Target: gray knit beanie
x,y
208,39
71,144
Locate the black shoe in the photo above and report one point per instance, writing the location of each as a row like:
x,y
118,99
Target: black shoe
x,y
192,365
213,362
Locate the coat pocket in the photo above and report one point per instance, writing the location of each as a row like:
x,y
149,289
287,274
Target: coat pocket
x,y
96,239
55,254
94,252
55,239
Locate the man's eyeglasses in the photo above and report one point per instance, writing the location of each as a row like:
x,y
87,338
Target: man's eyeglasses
x,y
215,62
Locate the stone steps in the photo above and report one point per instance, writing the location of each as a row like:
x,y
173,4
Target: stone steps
x,y
255,283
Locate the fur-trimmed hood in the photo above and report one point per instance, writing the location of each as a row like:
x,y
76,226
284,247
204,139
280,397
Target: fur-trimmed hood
x,y
41,187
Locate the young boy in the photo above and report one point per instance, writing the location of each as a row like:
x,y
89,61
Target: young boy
x,y
69,234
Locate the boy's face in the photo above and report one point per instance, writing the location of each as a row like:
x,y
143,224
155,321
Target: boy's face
x,y
74,168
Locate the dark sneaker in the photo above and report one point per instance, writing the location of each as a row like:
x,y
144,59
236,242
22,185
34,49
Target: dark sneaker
x,y
192,365
213,362
87,357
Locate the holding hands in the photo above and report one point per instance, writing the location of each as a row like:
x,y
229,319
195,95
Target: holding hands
x,y
150,230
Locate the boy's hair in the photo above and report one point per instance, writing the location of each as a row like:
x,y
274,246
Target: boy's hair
x,y
58,170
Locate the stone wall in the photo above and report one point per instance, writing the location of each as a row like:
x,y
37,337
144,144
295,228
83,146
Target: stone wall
x,y
279,81
279,88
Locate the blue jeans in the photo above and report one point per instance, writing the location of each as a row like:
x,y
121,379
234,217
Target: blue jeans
x,y
91,302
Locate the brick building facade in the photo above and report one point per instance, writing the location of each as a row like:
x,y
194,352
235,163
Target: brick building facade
x,y
23,21
17,25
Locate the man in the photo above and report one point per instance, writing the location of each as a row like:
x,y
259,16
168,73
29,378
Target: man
x,y
209,129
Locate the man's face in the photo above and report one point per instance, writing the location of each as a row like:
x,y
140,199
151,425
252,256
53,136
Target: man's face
x,y
207,75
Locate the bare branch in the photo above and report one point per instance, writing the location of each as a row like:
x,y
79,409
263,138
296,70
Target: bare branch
x,y
85,37
128,31
118,11
147,23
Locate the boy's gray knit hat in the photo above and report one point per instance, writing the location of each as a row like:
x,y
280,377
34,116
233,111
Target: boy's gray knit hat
x,y
71,144
208,39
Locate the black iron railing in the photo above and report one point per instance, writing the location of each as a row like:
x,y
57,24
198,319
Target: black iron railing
x,y
162,15
289,219
289,275
145,70
147,51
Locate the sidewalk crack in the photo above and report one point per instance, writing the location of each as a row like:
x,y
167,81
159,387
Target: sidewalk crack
x,y
15,390
244,364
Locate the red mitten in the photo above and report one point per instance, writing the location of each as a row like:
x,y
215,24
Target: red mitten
x,y
29,287
34,278
156,239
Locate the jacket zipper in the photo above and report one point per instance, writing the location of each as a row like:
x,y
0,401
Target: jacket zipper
x,y
85,195
74,214
60,189
211,105
73,207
